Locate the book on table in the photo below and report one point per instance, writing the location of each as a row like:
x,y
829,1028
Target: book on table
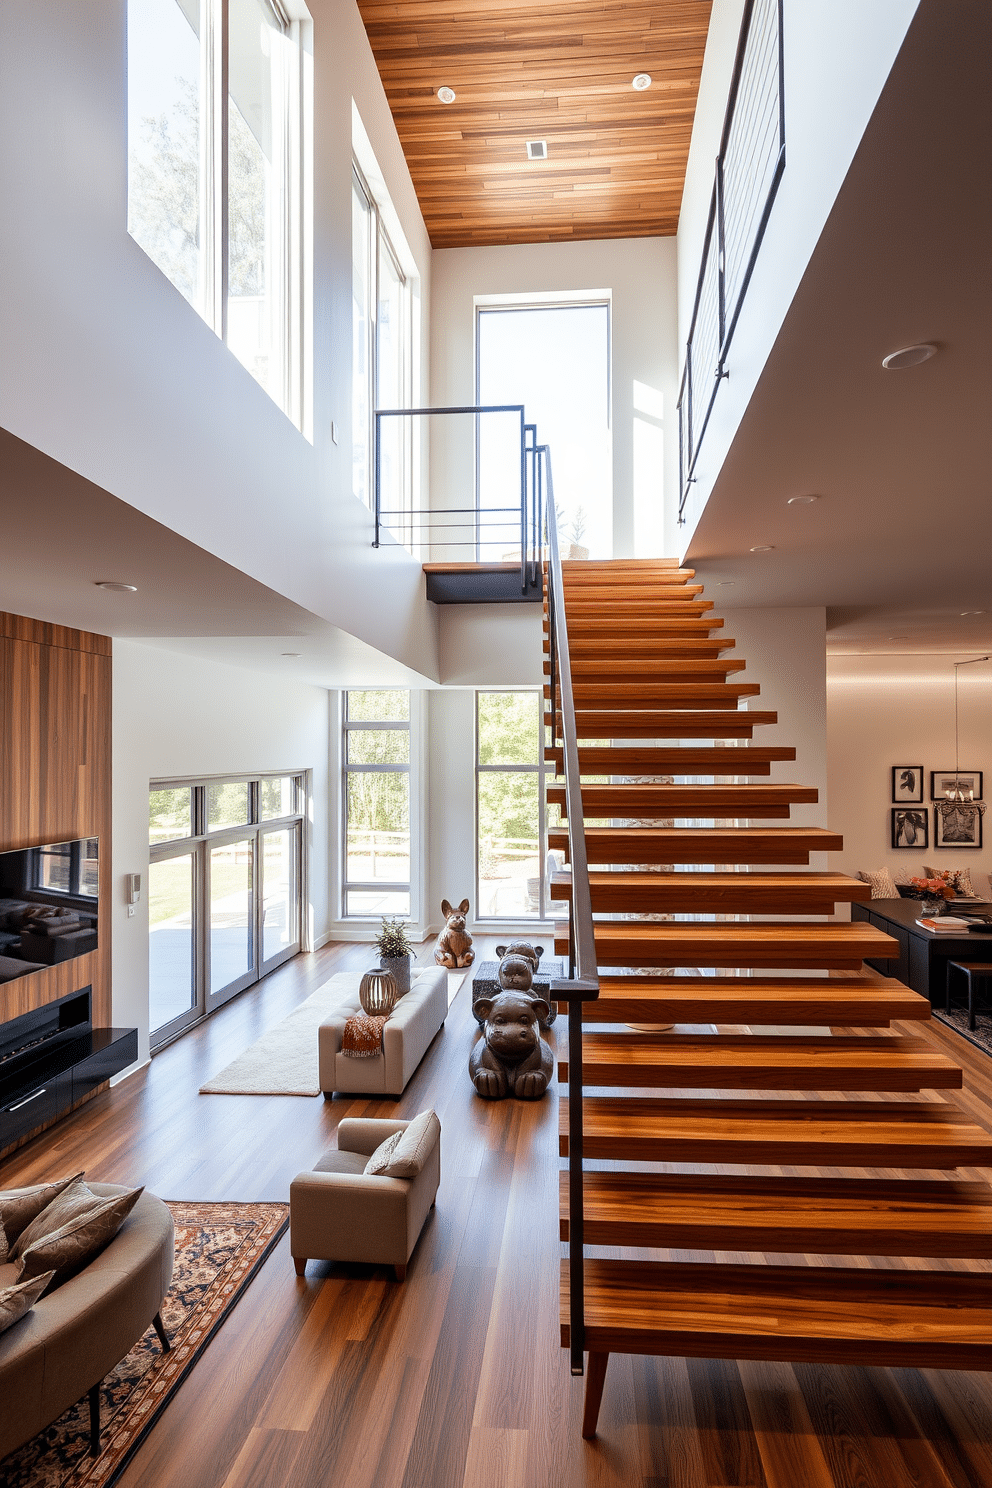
x,y
947,924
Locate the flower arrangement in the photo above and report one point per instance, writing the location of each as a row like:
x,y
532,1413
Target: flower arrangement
x,y
392,939
937,886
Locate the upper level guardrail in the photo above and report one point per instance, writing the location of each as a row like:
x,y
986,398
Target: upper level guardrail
x,y
748,172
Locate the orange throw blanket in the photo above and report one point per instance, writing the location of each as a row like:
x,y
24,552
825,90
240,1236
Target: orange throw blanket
x,y
362,1037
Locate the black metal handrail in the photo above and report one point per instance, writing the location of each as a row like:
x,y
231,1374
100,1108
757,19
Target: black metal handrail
x,y
529,506
749,169
582,983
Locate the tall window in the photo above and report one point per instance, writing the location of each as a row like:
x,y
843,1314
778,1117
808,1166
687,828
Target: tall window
x,y
376,754
510,836
224,891
381,354
217,159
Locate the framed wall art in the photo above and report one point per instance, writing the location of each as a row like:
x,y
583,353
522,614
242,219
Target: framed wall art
x,y
957,826
941,781
910,826
907,782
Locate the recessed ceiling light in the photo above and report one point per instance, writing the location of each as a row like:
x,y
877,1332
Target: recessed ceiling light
x,y
763,548
537,149
971,612
446,95
292,653
115,587
898,638
726,583
641,81
909,356
801,500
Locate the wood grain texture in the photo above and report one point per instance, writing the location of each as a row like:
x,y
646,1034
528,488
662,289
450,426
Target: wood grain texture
x,y
640,892
853,1001
704,759
743,845
842,947
616,157
657,723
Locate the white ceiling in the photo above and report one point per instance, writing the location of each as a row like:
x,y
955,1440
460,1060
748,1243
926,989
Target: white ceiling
x,y
900,541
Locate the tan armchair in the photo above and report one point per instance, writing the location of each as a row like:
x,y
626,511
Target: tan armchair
x,y
337,1213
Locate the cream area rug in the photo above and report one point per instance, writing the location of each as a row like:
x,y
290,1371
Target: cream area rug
x,y
284,1060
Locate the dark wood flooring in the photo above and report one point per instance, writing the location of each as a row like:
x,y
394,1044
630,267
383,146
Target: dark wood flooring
x,y
347,1378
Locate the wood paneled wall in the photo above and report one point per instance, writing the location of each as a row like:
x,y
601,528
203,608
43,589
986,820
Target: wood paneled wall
x,y
55,781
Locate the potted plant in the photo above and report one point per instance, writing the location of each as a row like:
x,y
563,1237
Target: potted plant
x,y
934,892
395,953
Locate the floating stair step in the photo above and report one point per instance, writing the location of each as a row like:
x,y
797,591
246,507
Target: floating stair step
x,y
651,607
650,669
600,648
840,947
660,694
579,568
652,723
701,844
834,1134
623,627
796,1313
690,759
627,799
640,586
856,1001
716,893
792,1216
758,1062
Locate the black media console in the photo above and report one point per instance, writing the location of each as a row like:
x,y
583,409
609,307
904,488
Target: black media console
x,y
51,1058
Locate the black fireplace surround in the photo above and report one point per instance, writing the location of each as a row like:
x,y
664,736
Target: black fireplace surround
x,y
51,1058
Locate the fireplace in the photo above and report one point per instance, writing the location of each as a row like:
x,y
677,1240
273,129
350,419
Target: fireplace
x,y
52,1057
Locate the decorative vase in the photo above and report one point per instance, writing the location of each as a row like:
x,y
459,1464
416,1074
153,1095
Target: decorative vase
x,y
399,969
377,993
934,907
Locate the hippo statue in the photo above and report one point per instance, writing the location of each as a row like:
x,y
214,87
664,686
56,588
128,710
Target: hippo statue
x,y
511,1058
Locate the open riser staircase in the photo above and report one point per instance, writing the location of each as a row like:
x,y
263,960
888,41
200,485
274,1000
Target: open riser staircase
x,y
675,870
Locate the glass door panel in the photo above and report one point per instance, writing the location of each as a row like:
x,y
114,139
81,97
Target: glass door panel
x,y
231,941
280,895
171,946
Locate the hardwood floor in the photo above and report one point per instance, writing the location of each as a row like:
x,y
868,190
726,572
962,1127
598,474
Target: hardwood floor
x,y
457,1377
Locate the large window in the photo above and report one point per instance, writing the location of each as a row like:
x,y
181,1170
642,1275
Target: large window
x,y
224,891
376,757
218,96
509,794
381,356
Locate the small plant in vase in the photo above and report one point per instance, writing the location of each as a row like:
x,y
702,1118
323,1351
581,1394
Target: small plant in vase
x,y
395,953
934,892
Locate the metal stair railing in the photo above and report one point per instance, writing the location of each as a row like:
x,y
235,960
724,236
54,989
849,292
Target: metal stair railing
x,y
582,983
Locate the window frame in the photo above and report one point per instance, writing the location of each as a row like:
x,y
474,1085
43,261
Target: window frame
x,y
542,771
371,886
292,297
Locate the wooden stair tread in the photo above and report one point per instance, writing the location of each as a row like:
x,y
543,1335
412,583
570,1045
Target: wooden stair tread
x,y
860,1134
595,647
844,945
690,759
708,695
797,1313
715,893
776,845
812,1001
667,723
652,607
653,668
832,1216
763,1062
619,799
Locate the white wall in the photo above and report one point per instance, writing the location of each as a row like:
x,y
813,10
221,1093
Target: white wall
x,y
640,273
491,645
180,715
838,54
899,710
105,367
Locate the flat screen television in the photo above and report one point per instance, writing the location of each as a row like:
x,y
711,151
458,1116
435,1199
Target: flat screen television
x,y
48,905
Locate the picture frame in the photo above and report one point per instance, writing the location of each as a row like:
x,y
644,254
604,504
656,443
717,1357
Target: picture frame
x,y
910,827
907,782
961,828
940,780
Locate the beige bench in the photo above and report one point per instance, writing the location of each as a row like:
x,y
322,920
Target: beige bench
x,y
406,1037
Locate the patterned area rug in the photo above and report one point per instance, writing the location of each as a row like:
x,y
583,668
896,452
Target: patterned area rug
x,y
957,1018
219,1249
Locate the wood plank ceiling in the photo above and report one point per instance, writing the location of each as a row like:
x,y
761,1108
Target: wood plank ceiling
x,y
554,70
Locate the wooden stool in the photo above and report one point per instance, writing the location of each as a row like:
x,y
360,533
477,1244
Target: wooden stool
x,y
974,971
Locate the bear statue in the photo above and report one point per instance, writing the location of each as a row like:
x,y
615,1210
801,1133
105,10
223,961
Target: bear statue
x,y
517,969
511,1057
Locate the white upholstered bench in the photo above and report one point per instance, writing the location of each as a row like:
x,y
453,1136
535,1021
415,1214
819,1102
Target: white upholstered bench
x,y
408,1032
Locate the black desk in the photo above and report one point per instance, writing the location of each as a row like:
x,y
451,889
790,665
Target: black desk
x,y
923,954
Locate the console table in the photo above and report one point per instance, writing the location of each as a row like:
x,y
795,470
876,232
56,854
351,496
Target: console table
x,y
923,954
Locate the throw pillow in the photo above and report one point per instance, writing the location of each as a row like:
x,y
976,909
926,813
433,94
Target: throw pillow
x,y
19,1299
75,1199
958,878
382,1156
415,1143
19,1206
882,883
69,1249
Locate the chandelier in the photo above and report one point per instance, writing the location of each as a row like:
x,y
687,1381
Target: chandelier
x,y
958,802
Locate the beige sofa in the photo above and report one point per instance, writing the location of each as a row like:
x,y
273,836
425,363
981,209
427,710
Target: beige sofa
x,y
408,1032
336,1213
73,1337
